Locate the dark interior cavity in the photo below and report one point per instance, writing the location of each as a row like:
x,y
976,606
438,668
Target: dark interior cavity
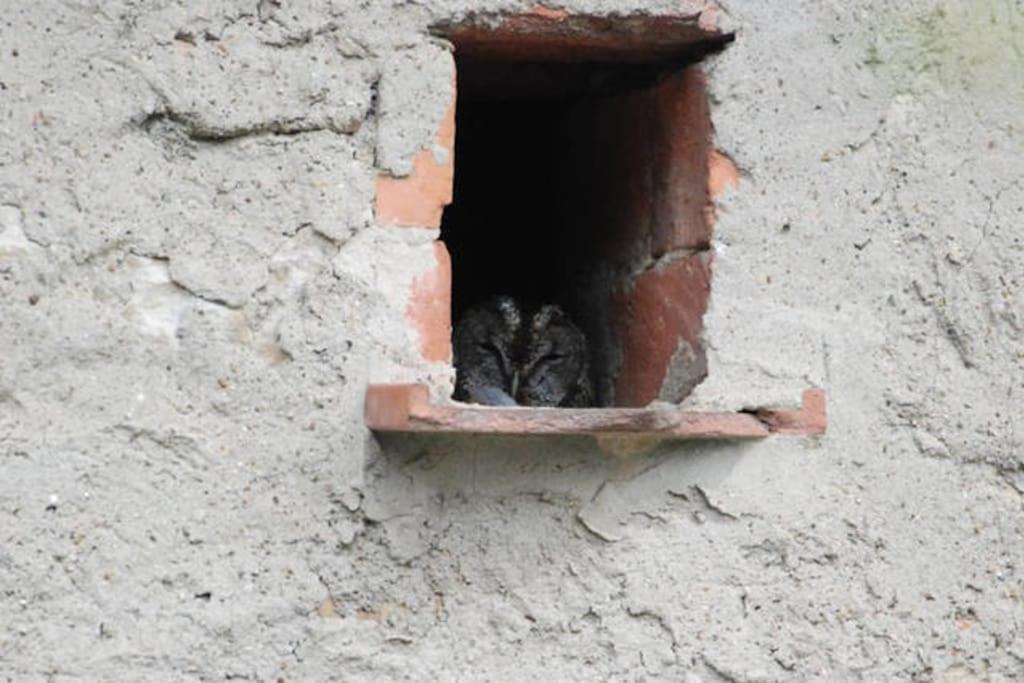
x,y
551,159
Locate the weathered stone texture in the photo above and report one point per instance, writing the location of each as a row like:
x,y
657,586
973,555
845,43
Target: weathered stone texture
x,y
194,295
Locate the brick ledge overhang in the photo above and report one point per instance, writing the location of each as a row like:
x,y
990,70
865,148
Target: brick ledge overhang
x,y
407,408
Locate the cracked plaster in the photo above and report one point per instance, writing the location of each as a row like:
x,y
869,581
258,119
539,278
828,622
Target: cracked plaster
x,y
189,492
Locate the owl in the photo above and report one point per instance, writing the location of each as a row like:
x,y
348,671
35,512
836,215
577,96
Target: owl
x,y
507,354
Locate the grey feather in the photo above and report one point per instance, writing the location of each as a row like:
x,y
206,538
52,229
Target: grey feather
x,y
490,396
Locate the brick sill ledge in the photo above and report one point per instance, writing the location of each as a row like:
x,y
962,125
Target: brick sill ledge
x,y
407,408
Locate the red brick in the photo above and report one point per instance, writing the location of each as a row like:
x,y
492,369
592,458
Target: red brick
x,y
549,34
418,200
722,173
407,408
680,162
663,307
430,307
810,419
388,406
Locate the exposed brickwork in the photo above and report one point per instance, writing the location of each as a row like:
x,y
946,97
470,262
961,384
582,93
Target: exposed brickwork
x,y
679,152
549,34
652,146
430,307
407,408
810,419
418,200
722,173
708,19
388,406
664,305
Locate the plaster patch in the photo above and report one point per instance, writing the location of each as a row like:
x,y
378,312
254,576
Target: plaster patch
x,y
412,106
157,303
219,269
418,199
12,235
306,88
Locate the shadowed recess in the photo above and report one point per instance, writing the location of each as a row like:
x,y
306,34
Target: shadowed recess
x,y
580,168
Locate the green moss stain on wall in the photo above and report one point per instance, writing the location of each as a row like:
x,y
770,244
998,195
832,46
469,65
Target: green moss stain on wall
x,y
975,47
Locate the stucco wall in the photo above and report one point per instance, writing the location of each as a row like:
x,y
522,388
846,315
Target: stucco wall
x,y
194,294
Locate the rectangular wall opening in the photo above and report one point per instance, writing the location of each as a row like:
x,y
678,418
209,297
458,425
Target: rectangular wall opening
x,y
581,180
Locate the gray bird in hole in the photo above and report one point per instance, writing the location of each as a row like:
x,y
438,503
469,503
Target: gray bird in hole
x,y
507,354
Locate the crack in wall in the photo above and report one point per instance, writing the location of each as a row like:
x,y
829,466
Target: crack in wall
x,y
196,129
166,261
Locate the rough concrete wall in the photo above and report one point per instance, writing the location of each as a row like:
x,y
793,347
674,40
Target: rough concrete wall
x,y
194,296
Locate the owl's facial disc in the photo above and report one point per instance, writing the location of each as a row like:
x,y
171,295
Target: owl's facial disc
x,y
552,361
506,355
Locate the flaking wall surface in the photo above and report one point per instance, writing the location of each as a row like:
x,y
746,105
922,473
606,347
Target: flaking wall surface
x,y
194,295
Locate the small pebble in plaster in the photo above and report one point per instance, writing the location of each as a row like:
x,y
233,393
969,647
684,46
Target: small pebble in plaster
x,y
157,304
13,239
328,609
